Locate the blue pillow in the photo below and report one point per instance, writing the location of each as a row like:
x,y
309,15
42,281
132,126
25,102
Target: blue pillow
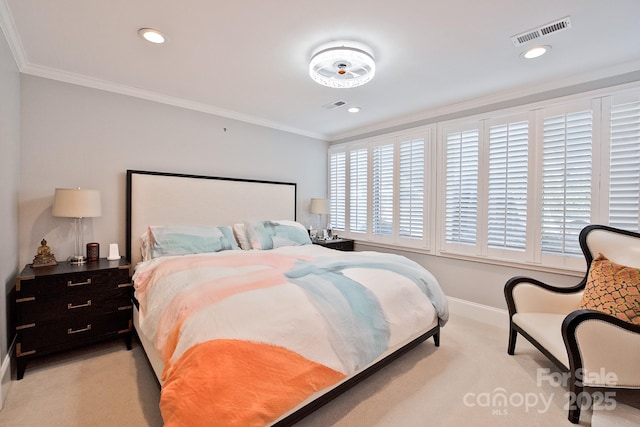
x,y
185,239
274,234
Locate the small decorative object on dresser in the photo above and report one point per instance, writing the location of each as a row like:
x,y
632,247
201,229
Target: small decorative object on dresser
x,y
64,306
44,257
337,243
93,252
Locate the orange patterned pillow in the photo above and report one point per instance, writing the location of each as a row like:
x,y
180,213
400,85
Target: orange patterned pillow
x,y
613,289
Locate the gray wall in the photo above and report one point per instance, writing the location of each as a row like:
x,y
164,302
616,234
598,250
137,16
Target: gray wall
x,y
9,180
477,282
73,136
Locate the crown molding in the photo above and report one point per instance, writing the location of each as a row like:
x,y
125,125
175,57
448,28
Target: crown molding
x,y
91,82
9,29
11,34
619,74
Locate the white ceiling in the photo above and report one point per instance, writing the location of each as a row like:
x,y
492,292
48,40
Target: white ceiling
x,y
248,59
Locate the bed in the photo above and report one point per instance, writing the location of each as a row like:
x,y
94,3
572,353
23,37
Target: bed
x,y
242,319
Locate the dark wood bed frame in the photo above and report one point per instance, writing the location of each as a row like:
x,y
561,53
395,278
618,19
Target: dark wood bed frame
x,y
331,394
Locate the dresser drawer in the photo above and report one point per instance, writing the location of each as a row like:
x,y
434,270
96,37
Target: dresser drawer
x,y
72,282
72,331
40,309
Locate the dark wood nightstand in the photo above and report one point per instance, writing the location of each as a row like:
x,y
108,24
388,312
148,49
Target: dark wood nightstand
x,y
66,306
339,244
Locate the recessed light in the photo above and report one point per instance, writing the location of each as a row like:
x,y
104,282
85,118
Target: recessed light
x,y
354,109
536,52
151,35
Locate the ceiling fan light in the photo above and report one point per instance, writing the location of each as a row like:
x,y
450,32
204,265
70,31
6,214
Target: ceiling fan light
x,y
151,35
342,67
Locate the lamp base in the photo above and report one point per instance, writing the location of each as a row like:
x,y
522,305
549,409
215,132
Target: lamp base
x,y
78,259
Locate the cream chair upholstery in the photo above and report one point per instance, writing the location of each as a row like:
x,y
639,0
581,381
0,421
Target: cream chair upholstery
x,y
597,350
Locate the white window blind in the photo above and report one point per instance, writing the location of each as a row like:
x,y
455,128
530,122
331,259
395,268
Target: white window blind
x,y
624,169
566,180
461,192
411,189
337,190
383,194
507,198
358,165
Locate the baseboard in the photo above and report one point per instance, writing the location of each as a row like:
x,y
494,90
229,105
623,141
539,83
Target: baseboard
x,y
479,312
5,374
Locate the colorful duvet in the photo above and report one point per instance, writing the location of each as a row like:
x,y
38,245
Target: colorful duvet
x,y
247,336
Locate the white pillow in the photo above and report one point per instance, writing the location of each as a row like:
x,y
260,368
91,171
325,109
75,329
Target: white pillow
x,y
240,231
145,246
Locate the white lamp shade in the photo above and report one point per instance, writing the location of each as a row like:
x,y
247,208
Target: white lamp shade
x,y
76,203
319,206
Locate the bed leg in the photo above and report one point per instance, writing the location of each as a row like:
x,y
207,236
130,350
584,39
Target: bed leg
x,y
127,340
436,339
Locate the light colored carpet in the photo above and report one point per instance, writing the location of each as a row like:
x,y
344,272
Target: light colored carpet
x,y
459,383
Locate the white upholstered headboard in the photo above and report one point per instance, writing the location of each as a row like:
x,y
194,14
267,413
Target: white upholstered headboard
x,y
158,198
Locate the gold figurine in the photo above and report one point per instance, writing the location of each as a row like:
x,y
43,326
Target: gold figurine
x,y
44,256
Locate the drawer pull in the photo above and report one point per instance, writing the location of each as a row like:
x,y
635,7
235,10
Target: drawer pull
x,y
27,299
70,283
27,326
71,331
125,285
70,306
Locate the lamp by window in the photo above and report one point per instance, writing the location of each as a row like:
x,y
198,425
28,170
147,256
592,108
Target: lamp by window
x,y
319,207
77,203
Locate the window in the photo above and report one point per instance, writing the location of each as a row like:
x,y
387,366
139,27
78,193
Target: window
x,y
411,189
388,188
461,189
515,186
508,186
624,163
338,187
358,189
383,190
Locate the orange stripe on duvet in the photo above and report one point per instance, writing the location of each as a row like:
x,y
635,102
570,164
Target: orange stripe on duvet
x,y
239,383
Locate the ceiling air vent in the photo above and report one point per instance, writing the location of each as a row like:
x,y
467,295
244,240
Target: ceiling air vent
x,y
335,104
544,30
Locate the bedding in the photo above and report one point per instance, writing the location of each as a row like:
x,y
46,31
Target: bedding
x,y
247,336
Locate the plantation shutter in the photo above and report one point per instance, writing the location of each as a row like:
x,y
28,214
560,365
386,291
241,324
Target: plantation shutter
x,y
337,190
566,180
624,168
382,196
507,198
461,192
358,191
411,189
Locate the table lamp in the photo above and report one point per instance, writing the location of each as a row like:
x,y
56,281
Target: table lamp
x,y
77,203
319,207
